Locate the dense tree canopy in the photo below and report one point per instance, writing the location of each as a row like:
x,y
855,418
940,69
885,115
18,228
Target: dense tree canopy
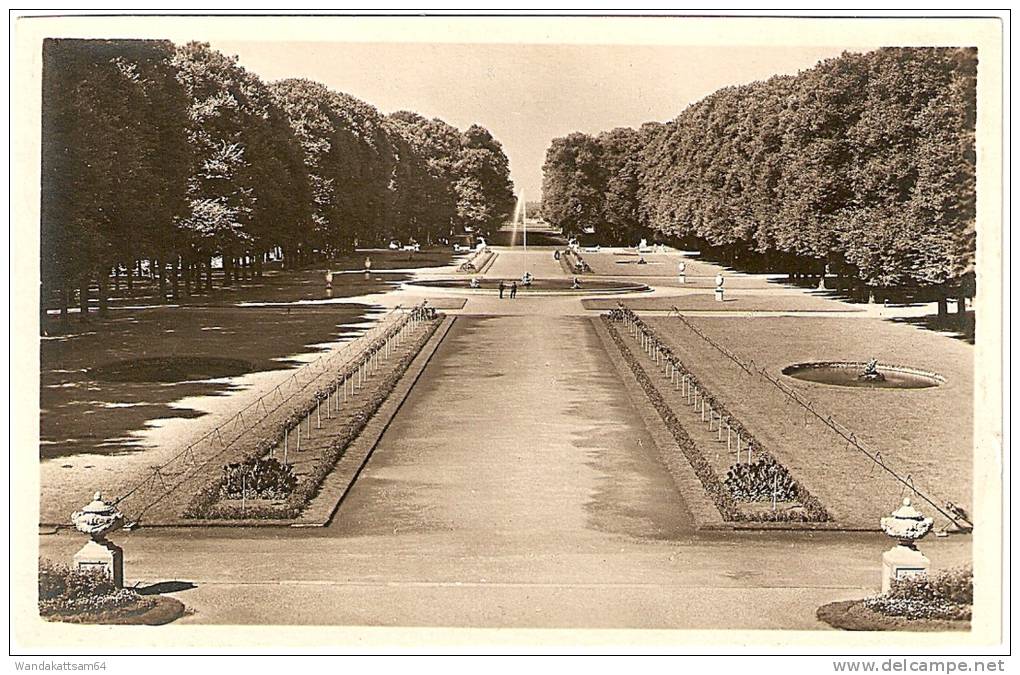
x,y
159,158
864,163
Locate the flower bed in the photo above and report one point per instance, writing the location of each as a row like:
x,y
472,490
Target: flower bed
x,y
206,504
574,263
942,601
728,495
477,261
89,596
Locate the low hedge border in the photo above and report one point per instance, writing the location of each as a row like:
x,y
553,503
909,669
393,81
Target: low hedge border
x,y
205,504
729,507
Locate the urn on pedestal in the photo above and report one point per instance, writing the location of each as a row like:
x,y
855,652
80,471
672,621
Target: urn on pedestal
x,y
97,520
906,525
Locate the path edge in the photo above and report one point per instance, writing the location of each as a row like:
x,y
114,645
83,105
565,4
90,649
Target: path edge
x,y
706,515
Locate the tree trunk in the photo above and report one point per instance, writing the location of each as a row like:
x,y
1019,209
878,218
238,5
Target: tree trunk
x,y
187,279
961,306
131,279
161,269
103,287
175,284
943,305
258,265
228,264
65,300
83,299
208,274
116,278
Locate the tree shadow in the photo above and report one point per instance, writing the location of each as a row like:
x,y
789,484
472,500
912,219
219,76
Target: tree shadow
x,y
950,325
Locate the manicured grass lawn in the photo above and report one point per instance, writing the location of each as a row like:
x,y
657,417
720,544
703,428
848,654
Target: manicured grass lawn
x,y
82,413
262,322
735,301
926,433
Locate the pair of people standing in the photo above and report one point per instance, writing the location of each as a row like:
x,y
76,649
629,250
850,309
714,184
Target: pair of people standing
x,y
512,287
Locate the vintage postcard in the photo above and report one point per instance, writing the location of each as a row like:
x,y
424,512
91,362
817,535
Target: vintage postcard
x,y
447,331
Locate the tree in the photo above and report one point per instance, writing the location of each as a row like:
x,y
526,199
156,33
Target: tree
x,y
485,197
573,183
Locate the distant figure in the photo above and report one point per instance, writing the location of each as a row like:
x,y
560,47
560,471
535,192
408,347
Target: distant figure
x,y
368,264
576,284
642,261
502,287
719,280
329,279
513,290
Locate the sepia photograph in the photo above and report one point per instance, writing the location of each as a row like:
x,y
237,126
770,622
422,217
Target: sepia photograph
x,y
680,329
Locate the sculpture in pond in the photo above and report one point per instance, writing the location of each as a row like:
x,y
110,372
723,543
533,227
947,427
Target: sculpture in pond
x,y
870,372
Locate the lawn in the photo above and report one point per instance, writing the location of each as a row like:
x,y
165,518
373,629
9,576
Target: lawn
x,y
923,433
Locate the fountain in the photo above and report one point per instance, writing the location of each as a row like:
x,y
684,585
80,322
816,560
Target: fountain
x,y
870,372
858,374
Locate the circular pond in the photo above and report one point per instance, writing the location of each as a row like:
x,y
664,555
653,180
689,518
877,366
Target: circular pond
x,y
170,369
553,286
852,374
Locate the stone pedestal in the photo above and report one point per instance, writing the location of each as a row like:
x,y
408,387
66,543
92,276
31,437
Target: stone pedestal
x,y
102,555
683,278
719,295
902,562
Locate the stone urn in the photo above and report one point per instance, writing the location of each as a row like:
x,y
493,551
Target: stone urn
x,y
906,525
98,519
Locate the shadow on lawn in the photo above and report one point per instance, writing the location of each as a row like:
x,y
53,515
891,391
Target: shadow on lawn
x,y
951,325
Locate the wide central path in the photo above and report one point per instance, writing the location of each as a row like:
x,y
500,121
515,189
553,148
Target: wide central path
x,y
517,438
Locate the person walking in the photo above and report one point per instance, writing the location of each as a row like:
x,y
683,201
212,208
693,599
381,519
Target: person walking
x,y
513,290
502,286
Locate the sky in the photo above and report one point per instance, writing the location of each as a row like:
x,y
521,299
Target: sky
x,y
526,94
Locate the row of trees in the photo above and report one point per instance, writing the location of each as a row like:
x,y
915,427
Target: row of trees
x,y
175,155
864,163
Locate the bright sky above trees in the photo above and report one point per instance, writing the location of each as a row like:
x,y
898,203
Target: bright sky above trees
x,y
526,95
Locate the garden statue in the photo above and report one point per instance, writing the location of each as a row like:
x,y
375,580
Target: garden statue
x,y
906,525
870,372
576,284
329,279
719,281
526,279
97,520
474,282
681,270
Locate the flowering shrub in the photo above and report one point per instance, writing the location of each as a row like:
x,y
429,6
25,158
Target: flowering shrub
x,y
761,481
258,478
52,579
812,509
947,595
65,590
